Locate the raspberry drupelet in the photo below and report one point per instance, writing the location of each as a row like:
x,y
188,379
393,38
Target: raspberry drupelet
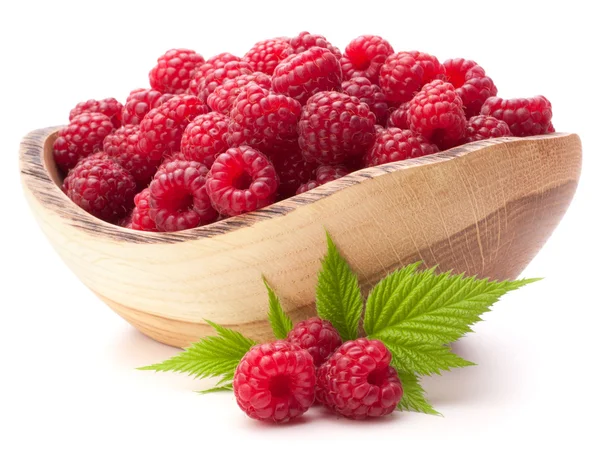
x,y
364,56
275,382
358,382
394,144
317,336
524,116
369,93
471,83
265,55
335,127
139,102
436,113
205,138
82,137
306,40
485,127
174,70
224,96
109,107
178,197
241,180
300,76
101,187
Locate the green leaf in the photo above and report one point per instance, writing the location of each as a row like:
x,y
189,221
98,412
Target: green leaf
x,y
339,300
210,357
428,308
280,322
224,388
413,398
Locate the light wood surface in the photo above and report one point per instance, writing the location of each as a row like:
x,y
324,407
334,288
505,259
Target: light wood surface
x,y
484,208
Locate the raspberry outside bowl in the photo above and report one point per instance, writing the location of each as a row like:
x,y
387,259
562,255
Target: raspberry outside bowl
x,y
485,209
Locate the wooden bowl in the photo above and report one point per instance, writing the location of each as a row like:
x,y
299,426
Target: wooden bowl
x,y
485,209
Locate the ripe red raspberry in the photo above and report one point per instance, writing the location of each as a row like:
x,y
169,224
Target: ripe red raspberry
x,y
364,56
524,116
140,216
310,185
241,180
80,138
334,127
266,55
101,187
224,57
317,336
139,102
436,113
293,171
551,128
394,144
399,117
471,83
306,40
163,126
326,173
264,120
210,78
224,96
275,382
485,127
358,382
403,74
369,93
109,107
218,61
205,138
178,197
122,146
302,75
174,70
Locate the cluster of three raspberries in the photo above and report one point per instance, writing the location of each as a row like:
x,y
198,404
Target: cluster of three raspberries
x,y
281,380
217,138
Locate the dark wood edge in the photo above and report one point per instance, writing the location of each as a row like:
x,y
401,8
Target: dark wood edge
x,y
36,178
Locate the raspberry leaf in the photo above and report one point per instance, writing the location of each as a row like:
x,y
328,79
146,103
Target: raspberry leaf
x,y
339,300
212,356
413,398
280,322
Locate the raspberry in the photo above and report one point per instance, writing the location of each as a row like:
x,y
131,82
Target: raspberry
x,y
306,40
174,70
317,336
218,61
224,96
264,120
325,173
310,185
205,138
471,83
224,57
109,107
358,382
178,198
139,102
122,146
293,171
275,382
302,75
101,187
524,116
163,126
399,117
551,128
213,75
485,127
403,74
394,144
140,216
266,55
334,127
82,137
368,93
241,180
364,56
436,112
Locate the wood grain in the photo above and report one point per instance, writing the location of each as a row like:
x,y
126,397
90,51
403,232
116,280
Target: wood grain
x,y
484,208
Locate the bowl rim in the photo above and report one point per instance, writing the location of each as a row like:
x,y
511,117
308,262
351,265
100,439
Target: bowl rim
x,y
37,168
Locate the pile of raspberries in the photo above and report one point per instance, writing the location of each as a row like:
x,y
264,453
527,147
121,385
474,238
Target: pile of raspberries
x,y
279,381
220,137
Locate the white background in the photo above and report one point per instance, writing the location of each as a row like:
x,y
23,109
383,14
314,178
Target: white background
x,y
68,382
